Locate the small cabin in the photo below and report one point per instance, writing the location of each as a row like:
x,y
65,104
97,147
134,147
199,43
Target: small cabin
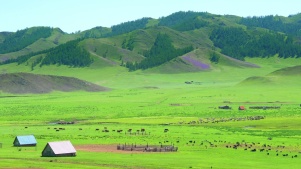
x,y
241,108
25,141
59,149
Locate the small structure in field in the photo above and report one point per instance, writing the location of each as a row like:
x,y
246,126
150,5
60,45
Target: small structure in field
x,y
25,141
224,107
147,148
59,149
241,108
264,107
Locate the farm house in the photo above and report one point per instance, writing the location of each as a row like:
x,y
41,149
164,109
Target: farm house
x,y
59,149
28,140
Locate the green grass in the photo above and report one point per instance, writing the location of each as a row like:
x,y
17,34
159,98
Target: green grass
x,y
155,101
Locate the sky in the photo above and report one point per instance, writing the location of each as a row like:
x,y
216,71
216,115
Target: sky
x,y
80,15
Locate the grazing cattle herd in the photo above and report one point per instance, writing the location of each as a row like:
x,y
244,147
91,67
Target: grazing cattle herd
x,y
268,149
222,119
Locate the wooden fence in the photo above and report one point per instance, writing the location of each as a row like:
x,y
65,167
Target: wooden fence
x,y
147,148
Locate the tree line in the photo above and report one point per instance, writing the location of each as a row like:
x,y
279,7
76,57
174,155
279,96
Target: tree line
x,y
239,43
22,38
185,21
127,27
70,54
273,23
161,52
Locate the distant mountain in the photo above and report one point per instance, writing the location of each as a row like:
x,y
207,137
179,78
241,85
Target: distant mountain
x,y
189,37
22,83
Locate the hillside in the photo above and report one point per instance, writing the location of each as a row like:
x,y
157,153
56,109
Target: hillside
x,y
289,71
22,83
215,41
52,37
287,76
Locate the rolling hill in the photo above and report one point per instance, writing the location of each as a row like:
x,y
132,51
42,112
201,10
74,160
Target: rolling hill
x,y
215,43
22,83
288,71
282,77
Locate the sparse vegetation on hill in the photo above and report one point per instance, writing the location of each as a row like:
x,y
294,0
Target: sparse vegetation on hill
x,y
22,83
288,71
96,32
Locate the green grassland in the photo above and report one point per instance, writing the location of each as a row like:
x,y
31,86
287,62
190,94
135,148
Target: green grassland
x,y
175,95
156,101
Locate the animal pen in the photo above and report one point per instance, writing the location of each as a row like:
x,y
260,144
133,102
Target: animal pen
x,y
147,148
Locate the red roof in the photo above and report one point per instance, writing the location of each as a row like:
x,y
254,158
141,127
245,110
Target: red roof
x,y
241,107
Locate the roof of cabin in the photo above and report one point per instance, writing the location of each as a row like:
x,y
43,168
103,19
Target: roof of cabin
x,y
28,139
62,147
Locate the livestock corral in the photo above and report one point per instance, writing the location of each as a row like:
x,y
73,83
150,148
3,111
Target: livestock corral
x,y
147,148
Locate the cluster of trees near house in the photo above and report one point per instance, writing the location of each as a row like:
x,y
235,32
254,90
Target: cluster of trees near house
x,y
162,51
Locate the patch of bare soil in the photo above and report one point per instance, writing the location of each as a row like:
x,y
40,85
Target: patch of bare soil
x,y
102,148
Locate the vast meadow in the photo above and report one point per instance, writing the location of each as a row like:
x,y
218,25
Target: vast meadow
x,y
173,109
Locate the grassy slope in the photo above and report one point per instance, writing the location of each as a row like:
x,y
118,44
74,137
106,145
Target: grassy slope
x,y
57,38
145,101
24,83
286,72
